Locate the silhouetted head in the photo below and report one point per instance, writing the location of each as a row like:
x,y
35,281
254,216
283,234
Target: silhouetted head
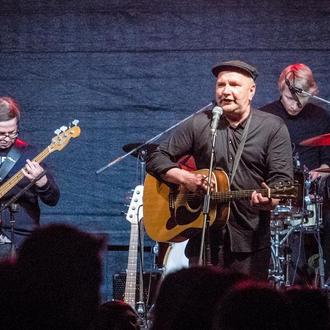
x,y
187,298
60,273
116,315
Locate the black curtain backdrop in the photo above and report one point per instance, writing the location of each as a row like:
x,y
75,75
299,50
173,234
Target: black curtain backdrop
x,y
128,70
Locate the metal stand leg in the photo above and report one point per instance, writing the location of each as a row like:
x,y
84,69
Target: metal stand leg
x,y
281,257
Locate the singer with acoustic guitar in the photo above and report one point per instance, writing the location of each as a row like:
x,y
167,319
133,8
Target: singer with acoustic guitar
x,y
261,144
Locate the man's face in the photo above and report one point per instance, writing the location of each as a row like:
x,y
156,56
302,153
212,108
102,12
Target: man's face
x,y
8,133
290,104
234,92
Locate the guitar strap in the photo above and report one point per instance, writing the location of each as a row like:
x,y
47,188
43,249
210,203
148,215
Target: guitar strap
x,y
236,161
240,148
12,157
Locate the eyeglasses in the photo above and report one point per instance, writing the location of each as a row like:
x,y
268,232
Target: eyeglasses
x,y
11,135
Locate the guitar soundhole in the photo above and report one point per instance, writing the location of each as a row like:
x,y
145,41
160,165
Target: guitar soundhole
x,y
194,202
183,216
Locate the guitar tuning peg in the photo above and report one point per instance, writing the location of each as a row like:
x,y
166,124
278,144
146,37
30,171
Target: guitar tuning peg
x,y
58,131
63,128
75,122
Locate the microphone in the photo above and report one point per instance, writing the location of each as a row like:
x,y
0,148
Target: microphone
x,y
293,90
216,112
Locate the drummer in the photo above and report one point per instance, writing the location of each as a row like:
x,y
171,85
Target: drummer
x,y
305,120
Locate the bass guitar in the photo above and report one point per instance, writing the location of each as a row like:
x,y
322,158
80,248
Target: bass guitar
x,y
62,138
174,215
134,215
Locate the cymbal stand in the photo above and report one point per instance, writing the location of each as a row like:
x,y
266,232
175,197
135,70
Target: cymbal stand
x,y
318,235
281,255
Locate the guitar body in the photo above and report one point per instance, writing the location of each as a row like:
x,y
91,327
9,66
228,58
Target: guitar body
x,y
177,215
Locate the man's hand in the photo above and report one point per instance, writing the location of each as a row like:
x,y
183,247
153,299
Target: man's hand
x,y
189,180
32,170
261,202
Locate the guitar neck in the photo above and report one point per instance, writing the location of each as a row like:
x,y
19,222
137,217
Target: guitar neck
x,y
130,286
8,185
228,196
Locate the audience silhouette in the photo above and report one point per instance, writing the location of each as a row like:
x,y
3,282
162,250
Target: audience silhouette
x,y
59,275
55,284
251,305
116,315
310,308
187,298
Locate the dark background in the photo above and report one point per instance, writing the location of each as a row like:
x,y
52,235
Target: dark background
x,y
128,70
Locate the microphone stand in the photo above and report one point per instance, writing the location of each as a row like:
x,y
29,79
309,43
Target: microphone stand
x,y
206,210
14,208
141,304
118,159
301,91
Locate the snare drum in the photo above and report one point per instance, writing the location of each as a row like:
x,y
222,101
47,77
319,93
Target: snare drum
x,y
308,219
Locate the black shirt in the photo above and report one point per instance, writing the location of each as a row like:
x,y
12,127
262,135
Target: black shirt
x,y
310,122
266,157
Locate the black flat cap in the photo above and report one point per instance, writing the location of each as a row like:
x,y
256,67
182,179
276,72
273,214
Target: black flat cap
x,y
237,66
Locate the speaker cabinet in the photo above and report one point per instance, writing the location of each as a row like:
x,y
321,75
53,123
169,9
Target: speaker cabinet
x,y
150,285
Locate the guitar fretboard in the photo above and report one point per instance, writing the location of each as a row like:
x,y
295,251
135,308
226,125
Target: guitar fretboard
x,y
8,185
236,194
130,286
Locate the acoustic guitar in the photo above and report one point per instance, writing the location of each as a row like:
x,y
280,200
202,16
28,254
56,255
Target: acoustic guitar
x,y
174,215
62,138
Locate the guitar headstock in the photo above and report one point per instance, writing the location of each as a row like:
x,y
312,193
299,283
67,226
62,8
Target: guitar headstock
x,y
285,190
64,135
135,210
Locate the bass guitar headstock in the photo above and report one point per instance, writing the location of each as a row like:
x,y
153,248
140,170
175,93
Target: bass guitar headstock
x,y
135,210
64,135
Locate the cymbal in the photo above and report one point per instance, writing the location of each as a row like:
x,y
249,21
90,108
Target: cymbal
x,y
147,148
317,141
322,170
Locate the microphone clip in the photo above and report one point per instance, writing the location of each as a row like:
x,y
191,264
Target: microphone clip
x,y
294,90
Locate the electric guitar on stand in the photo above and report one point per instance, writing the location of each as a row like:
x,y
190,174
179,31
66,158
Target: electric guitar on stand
x,y
134,216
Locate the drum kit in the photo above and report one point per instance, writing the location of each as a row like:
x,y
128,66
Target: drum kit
x,y
298,217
